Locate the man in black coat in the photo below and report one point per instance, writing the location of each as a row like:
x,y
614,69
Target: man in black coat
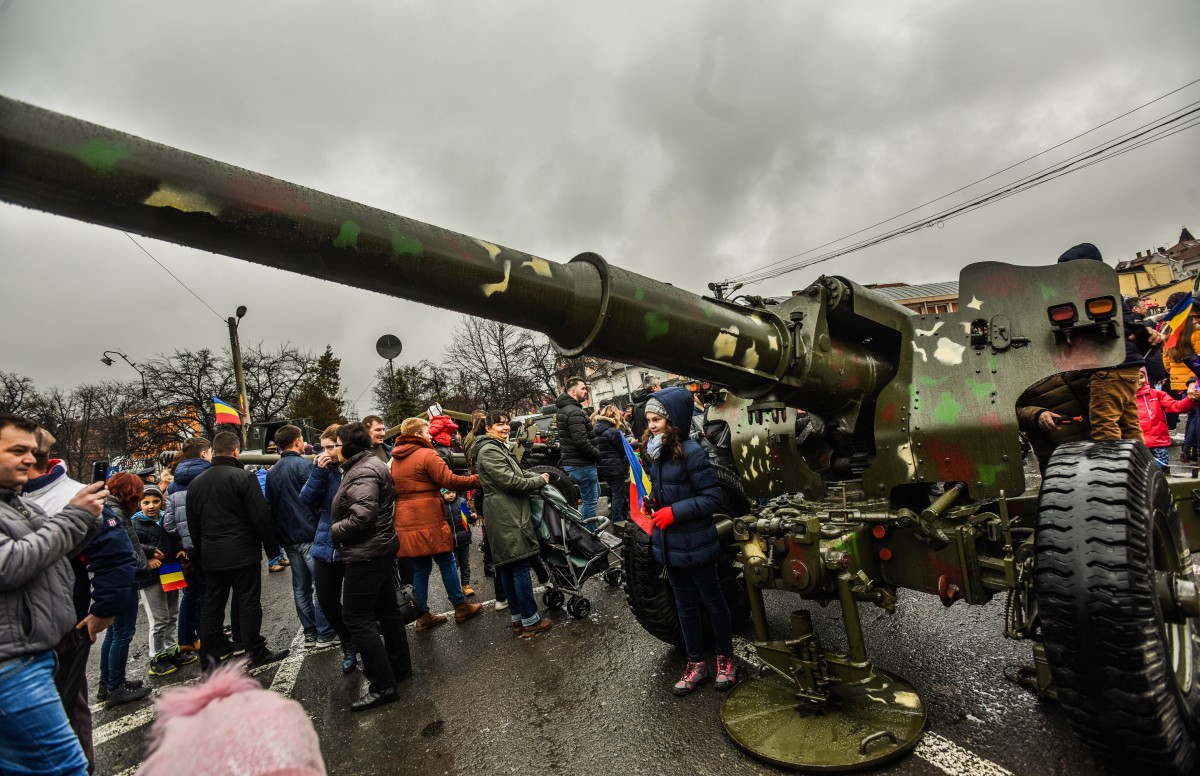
x,y
579,456
230,526
650,385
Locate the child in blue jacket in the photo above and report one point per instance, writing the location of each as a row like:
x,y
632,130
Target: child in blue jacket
x,y
684,496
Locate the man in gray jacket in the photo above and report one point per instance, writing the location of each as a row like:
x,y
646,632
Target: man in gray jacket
x,y
36,584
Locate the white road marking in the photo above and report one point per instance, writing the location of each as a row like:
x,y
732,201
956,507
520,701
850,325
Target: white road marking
x,y
948,756
937,750
285,677
145,716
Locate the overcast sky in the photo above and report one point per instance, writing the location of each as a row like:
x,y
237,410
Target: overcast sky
x,y
688,140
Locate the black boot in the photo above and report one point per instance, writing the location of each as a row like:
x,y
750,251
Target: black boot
x,y
1188,454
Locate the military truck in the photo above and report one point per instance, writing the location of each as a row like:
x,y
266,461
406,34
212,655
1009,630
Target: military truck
x,y
876,450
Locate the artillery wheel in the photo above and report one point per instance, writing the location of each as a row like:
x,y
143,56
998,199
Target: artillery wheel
x,y
579,608
553,599
561,480
860,727
1124,658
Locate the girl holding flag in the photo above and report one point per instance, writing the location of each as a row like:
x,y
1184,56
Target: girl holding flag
x,y
684,495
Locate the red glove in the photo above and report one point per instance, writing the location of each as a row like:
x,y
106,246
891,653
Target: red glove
x,y
663,518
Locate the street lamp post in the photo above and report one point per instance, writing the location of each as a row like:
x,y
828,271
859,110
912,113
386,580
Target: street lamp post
x,y
104,359
236,348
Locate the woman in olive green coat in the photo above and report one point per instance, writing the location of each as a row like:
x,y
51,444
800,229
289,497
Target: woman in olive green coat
x,y
509,523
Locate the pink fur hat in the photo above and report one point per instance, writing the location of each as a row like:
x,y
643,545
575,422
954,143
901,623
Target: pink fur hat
x,y
230,724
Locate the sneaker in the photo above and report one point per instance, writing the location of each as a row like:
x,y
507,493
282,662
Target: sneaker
x,y
181,658
310,640
327,641
162,665
237,648
541,626
726,673
468,590
694,674
126,694
501,605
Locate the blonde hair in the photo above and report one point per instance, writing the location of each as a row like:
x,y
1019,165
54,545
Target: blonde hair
x,y
330,431
413,426
610,413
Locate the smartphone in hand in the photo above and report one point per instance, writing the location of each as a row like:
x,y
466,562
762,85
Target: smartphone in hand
x,y
99,470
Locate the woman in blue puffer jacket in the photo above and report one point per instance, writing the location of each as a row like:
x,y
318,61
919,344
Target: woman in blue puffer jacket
x,y
684,495
328,569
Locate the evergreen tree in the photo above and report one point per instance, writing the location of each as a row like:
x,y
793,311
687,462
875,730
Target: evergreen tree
x,y
320,396
395,395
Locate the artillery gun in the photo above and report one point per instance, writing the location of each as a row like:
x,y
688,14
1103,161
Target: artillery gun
x,y
1096,564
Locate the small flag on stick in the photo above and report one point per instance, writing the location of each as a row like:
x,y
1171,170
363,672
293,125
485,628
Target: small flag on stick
x,y
226,413
171,577
639,487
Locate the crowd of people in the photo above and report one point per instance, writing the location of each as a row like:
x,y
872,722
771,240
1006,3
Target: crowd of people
x,y
355,523
1141,398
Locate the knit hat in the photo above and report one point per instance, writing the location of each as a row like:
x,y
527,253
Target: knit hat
x,y
1081,251
230,724
657,407
152,490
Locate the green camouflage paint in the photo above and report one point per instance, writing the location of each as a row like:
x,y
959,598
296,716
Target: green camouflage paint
x,y
981,389
658,322
348,236
947,409
403,245
102,154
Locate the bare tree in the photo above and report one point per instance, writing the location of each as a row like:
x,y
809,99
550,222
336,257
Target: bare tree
x,y
496,364
17,393
273,379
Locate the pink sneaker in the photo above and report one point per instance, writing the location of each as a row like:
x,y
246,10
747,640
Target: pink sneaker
x,y
726,673
694,674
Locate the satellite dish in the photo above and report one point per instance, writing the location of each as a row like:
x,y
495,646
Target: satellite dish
x,y
388,346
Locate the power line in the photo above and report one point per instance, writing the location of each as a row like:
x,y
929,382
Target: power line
x,y
746,276
172,274
1078,162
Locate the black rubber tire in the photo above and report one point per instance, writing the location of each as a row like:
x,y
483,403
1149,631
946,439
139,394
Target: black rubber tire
x,y
553,599
614,577
737,503
1106,523
561,480
579,608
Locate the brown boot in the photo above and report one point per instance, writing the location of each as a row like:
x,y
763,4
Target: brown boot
x,y
466,611
541,626
429,620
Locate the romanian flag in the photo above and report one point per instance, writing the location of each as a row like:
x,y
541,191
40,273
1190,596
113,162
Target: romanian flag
x,y
1175,319
226,413
465,513
639,488
171,577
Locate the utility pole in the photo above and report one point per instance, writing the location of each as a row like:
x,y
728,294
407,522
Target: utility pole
x,y
236,348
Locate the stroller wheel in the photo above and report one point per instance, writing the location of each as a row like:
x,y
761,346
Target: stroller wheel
x,y
579,608
553,599
614,577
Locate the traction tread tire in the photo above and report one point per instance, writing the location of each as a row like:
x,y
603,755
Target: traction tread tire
x,y
561,480
1100,613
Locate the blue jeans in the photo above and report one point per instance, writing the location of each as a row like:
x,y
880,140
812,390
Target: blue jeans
x,y
618,499
588,480
35,736
519,589
312,619
694,587
421,568
114,652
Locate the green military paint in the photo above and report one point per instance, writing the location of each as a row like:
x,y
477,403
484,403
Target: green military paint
x,y
1049,292
947,409
403,245
103,155
981,389
933,382
988,472
348,236
658,322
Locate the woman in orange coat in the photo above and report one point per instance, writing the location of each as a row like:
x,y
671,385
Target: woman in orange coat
x,y
1176,360
419,474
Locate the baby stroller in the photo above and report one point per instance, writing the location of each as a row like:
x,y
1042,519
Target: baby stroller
x,y
573,554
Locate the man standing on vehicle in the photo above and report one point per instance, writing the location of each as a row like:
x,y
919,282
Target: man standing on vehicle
x,y
296,526
231,526
579,456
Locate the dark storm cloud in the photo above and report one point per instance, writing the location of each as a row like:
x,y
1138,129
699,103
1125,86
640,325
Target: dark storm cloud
x,y
689,141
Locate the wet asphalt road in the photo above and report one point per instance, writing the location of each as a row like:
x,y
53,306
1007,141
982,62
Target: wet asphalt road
x,y
593,695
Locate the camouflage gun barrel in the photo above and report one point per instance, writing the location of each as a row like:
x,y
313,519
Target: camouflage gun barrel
x,y
62,165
